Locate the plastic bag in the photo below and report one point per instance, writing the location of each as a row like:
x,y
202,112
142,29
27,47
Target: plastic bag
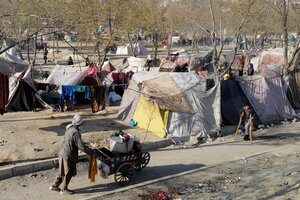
x,y
104,169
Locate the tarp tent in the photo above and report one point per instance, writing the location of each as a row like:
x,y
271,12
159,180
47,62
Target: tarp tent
x,y
267,98
66,75
124,50
11,62
186,89
274,56
135,64
24,96
138,48
23,45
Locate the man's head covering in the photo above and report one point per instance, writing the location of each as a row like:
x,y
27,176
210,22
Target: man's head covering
x,y
77,120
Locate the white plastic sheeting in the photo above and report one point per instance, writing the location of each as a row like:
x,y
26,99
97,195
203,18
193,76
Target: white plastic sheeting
x,y
65,75
10,61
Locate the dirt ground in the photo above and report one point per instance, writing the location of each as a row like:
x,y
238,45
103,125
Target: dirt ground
x,y
31,135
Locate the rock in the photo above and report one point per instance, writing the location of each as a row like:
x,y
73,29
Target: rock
x,y
32,175
3,142
261,127
203,185
38,149
54,142
225,187
284,183
23,185
10,131
286,173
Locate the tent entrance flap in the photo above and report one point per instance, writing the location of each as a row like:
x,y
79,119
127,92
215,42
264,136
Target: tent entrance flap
x,y
151,118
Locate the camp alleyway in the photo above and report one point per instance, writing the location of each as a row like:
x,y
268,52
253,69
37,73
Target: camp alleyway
x,y
167,161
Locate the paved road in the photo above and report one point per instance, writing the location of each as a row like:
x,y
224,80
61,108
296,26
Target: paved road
x,y
163,162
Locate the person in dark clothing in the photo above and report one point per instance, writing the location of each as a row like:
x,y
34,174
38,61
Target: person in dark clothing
x,y
247,115
68,156
250,70
70,61
87,62
182,68
45,55
46,75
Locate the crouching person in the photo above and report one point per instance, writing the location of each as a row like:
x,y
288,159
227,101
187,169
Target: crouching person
x,y
68,156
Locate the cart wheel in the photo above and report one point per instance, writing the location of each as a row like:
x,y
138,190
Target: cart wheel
x,y
124,173
145,159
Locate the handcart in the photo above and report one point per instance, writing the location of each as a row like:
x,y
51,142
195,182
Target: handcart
x,y
124,165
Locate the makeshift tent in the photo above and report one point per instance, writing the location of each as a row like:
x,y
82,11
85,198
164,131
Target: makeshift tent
x,y
138,48
275,56
107,67
166,66
165,91
200,59
135,64
11,62
124,50
66,75
267,98
23,45
24,96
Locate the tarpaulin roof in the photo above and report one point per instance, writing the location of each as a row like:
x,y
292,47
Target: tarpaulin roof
x,y
10,62
166,96
267,97
66,75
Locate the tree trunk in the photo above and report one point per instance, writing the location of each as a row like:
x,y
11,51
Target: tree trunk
x,y
131,45
97,48
28,52
34,57
169,44
53,51
57,48
156,48
246,52
255,35
285,35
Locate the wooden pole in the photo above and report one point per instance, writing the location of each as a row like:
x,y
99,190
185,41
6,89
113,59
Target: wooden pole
x,y
251,128
238,127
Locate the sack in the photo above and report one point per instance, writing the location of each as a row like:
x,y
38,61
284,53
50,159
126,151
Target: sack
x,y
104,169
